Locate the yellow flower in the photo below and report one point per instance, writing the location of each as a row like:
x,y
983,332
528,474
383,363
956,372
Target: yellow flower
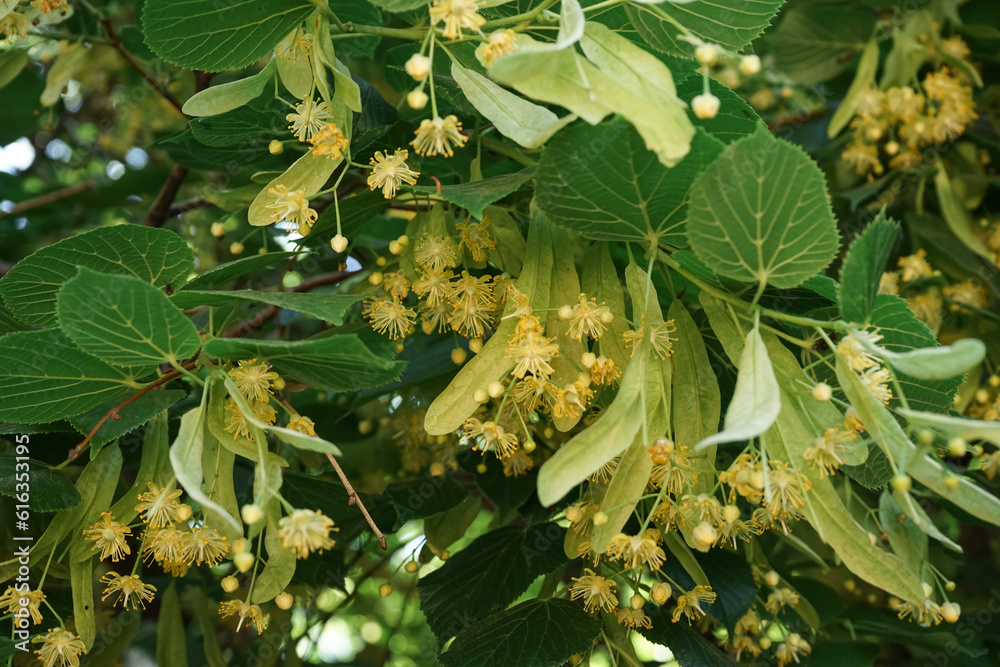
x,y
633,618
305,531
889,283
781,598
595,591
435,318
956,47
308,118
302,424
589,319
636,551
436,253
967,293
904,104
434,286
659,337
59,648
571,400
130,590
476,238
291,206
532,354
470,318
294,45
915,266
391,171
109,536
457,14
253,379
235,423
392,317
437,136
396,284
877,382
329,141
863,157
249,613
165,546
14,26
856,354
518,463
13,601
604,474
500,43
869,102
604,372
825,453
47,6
791,649
689,604
203,545
469,289
990,464
787,495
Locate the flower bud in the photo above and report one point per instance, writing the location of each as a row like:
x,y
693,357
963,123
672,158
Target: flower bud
x,y
660,592
239,546
730,513
574,513
707,54
395,248
704,536
284,601
749,65
218,230
444,555
385,590
891,148
764,643
275,147
365,427
952,482
957,447
607,318
787,92
243,561
600,519
925,437
417,99
458,356
236,248
418,67
822,392
338,243
381,261
588,359
251,514
476,345
901,483
184,512
481,468
565,312
480,396
412,566
529,446
230,584
928,590
705,106
636,601
772,579
495,389
951,612
376,278
437,469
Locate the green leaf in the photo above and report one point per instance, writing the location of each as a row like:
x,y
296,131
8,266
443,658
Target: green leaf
x,y
309,173
874,473
837,654
44,378
328,307
600,281
280,567
508,255
217,463
475,197
424,497
688,646
760,214
11,64
907,541
736,119
524,122
815,42
48,489
863,267
225,273
536,633
621,192
732,580
713,22
155,256
360,13
445,528
192,35
956,215
124,321
933,363
506,493
919,517
336,363
863,78
396,6
154,466
756,401
236,127
135,415
171,643
228,97
488,575
81,574
970,429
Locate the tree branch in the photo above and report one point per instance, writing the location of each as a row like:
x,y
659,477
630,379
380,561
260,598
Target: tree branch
x,y
116,42
160,210
49,197
355,500
189,205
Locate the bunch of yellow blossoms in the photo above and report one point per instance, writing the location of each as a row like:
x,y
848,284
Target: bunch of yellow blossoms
x,y
927,301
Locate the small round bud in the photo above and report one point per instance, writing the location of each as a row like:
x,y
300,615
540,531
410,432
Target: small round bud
x,y
772,579
949,586
901,483
928,590
278,384
376,278
982,395
994,381
575,659
218,230
636,601
957,447
704,536
251,514
276,147
495,389
584,379
549,432
480,396
822,392
705,106
787,92
365,427
565,312
243,561
749,65
385,590
588,359
437,469
660,592
395,248
895,603
381,261
284,601
891,148
239,546
412,566
850,586
607,318
730,513
458,356
444,555
952,482
418,67
872,539
529,446
339,243
263,251
925,437
236,248
707,54
403,240
600,519
184,512
574,514
476,345
230,584
481,468
951,612
417,99
764,643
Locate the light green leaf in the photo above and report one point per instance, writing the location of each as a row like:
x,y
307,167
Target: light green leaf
x,y
815,42
154,466
970,429
226,273
280,567
456,403
863,78
863,267
155,256
229,96
217,462
600,281
309,173
565,290
956,215
339,362
445,528
186,460
508,255
621,192
81,575
919,517
475,197
11,64
65,66
328,307
933,363
193,35
756,400
171,642
713,22
626,487
760,213
296,76
124,320
43,377
524,122
908,542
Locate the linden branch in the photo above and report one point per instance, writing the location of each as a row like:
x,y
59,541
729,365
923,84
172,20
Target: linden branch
x,y
354,499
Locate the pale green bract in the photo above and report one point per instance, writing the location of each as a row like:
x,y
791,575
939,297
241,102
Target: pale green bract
x,y
228,96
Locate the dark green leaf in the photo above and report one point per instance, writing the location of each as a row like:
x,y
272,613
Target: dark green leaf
x,y
420,498
355,211
863,267
362,13
188,152
874,473
225,273
243,126
689,647
444,529
823,599
336,363
488,575
815,42
171,643
476,196
328,307
536,633
135,415
49,489
732,580
735,120
714,22
838,654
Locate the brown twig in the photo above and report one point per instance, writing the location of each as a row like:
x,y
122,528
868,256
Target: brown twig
x,y
189,205
797,119
116,42
354,499
160,210
49,197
